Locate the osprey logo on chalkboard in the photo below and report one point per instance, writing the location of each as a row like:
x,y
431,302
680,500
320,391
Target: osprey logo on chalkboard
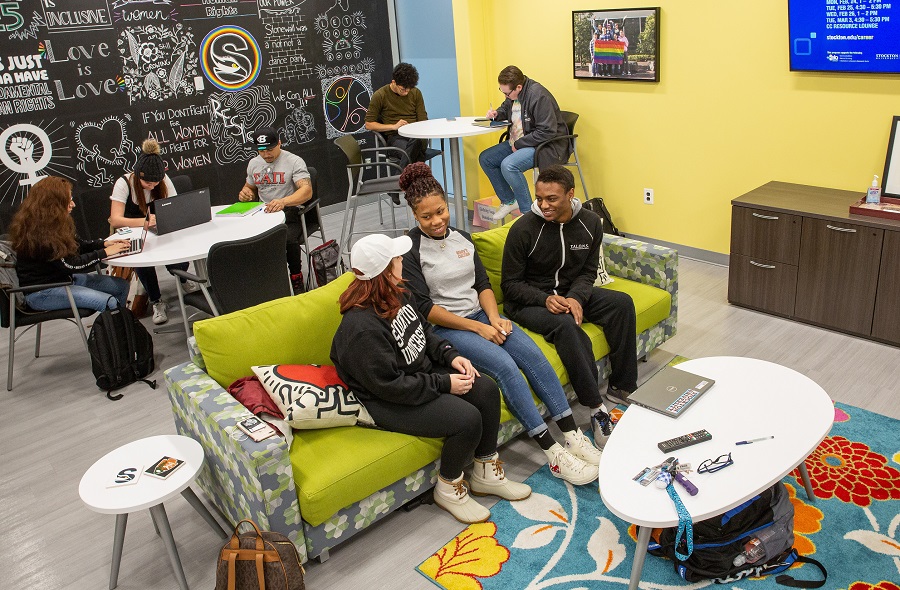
x,y
230,58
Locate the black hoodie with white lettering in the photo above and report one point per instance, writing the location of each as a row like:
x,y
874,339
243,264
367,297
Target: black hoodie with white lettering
x,y
392,360
543,258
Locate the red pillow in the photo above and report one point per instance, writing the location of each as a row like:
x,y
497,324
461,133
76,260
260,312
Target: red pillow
x,y
250,392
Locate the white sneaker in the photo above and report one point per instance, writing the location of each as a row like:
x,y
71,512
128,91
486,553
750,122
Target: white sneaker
x,y
566,466
581,446
489,479
503,211
189,286
453,496
159,312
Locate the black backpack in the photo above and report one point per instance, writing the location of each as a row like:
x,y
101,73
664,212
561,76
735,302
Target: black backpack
x,y
599,207
121,351
768,517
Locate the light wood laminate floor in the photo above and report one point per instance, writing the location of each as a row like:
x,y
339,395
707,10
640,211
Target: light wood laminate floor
x,y
58,423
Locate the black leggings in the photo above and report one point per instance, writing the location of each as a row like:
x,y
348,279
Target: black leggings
x,y
468,423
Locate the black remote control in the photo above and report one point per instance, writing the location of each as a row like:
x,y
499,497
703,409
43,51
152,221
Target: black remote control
x,y
680,442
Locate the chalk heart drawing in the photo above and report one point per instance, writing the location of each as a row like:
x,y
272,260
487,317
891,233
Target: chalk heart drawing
x,y
18,144
102,146
346,100
230,58
159,61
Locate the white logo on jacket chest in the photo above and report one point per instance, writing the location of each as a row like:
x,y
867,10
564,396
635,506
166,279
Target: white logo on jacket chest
x,y
579,246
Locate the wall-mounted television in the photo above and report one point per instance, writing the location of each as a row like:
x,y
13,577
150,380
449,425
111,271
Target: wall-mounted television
x,y
845,35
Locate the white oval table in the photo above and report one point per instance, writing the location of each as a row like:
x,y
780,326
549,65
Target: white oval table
x,y
750,399
148,493
193,243
452,129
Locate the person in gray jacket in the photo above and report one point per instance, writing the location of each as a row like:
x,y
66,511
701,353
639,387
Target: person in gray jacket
x,y
534,118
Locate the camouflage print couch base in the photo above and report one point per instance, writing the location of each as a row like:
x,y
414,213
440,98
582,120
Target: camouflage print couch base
x,y
326,485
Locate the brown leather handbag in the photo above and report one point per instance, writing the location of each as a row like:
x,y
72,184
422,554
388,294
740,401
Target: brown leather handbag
x,y
259,560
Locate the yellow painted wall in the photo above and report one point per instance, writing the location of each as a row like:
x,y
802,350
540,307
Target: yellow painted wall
x,y
726,116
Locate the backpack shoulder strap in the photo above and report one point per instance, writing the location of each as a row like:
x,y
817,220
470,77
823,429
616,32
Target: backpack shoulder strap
x,y
786,580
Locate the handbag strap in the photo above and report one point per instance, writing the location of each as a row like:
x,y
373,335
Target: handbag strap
x,y
260,573
236,544
231,572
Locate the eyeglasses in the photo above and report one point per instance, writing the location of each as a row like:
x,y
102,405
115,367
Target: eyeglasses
x,y
713,465
506,94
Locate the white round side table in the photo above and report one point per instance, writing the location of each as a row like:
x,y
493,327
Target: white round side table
x,y
148,493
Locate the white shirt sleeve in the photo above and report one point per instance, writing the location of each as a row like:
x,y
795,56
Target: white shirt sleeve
x,y
300,172
120,190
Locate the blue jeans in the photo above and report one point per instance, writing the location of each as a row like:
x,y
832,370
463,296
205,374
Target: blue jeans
x,y
502,363
505,169
90,291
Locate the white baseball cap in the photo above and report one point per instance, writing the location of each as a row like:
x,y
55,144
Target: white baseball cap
x,y
373,253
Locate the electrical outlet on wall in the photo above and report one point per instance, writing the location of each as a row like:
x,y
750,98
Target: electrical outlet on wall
x,y
648,196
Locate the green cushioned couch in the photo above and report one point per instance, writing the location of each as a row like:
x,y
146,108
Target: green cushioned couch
x,y
326,485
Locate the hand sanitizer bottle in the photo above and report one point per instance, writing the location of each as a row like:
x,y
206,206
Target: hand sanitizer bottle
x,y
874,193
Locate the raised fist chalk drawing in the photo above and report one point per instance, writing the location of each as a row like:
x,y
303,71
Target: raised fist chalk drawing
x,y
17,151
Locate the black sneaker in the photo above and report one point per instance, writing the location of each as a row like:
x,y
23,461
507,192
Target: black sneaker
x,y
601,428
297,283
618,396
395,197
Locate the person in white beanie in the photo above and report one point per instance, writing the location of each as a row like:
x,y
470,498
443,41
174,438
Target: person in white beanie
x,y
413,382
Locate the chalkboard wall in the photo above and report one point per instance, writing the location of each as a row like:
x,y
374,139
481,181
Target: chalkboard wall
x,y
83,82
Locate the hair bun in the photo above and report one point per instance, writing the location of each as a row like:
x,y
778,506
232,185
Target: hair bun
x,y
414,172
150,146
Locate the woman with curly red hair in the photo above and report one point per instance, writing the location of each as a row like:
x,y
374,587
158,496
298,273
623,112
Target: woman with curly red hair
x,y
42,233
414,382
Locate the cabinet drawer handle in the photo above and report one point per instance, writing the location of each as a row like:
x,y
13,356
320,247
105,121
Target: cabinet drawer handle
x,y
761,265
765,216
843,229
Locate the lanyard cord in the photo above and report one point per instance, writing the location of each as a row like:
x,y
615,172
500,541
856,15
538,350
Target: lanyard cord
x,y
685,524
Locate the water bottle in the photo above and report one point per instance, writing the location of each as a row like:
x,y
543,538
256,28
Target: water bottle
x,y
753,551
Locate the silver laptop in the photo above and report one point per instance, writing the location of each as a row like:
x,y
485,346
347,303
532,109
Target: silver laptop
x,y
671,391
135,246
181,211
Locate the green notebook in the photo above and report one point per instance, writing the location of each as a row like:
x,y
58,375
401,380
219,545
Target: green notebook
x,y
241,209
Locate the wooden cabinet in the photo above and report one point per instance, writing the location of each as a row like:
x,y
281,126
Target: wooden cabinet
x,y
798,253
886,324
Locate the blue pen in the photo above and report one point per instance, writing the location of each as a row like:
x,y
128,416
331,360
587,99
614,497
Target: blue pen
x,y
753,440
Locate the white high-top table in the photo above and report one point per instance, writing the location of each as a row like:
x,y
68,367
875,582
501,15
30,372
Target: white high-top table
x,y
452,129
148,493
751,399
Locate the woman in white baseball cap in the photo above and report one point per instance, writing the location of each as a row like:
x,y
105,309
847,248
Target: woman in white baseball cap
x,y
414,382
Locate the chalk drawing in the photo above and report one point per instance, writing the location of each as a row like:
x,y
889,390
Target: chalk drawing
x,y
233,116
30,31
104,149
29,152
366,66
345,100
159,62
230,58
342,33
299,127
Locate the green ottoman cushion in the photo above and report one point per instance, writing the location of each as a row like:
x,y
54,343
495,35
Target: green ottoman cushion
x,y
336,467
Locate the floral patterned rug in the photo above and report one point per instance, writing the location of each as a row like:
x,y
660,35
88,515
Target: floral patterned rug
x,y
562,537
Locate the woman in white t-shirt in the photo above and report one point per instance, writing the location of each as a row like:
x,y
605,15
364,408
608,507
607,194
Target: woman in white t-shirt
x,y
129,207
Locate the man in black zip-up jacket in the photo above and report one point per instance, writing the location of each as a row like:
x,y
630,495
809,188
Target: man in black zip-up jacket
x,y
550,263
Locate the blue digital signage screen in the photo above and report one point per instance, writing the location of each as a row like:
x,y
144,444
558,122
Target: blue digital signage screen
x,y
845,35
